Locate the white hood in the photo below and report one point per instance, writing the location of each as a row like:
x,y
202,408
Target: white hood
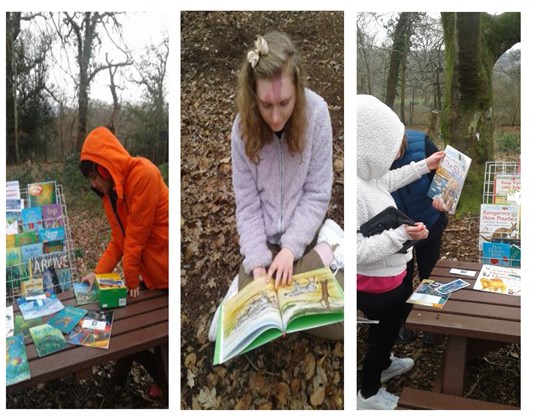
x,y
379,136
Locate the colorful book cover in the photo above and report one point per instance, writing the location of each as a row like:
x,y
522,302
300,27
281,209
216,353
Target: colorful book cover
x,y
84,295
58,260
32,287
506,189
32,219
53,246
426,294
31,250
52,234
51,281
449,178
64,279
497,254
12,190
497,279
13,256
498,222
14,205
13,219
22,326
37,306
10,321
25,238
66,319
42,193
17,367
47,339
94,330
10,240
52,216
516,254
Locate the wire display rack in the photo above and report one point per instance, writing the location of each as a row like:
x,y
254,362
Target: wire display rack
x,y
62,261
493,168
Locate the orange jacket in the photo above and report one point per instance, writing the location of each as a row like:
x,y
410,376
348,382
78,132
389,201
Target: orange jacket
x,y
142,209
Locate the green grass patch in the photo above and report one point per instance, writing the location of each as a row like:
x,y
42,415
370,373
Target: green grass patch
x,y
507,142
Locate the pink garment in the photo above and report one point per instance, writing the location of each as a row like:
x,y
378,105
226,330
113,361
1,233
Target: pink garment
x,y
379,284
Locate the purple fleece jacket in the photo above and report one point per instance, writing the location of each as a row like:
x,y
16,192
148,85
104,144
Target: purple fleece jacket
x,y
283,199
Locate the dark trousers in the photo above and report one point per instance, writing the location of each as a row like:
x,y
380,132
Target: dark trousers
x,y
387,308
427,253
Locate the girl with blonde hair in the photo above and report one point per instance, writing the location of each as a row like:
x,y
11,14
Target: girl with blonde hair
x,y
282,171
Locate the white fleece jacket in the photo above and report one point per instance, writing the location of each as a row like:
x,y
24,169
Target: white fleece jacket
x,y
379,136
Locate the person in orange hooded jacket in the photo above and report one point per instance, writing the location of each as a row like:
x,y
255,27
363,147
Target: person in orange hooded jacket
x,y
136,202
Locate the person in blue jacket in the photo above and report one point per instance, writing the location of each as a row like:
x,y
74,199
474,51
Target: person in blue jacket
x,y
412,200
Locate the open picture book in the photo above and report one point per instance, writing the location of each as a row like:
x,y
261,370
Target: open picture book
x,y
259,313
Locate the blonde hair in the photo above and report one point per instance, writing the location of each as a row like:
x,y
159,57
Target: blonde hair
x,y
281,57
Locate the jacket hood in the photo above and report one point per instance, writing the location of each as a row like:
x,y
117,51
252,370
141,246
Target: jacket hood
x,y
102,147
379,136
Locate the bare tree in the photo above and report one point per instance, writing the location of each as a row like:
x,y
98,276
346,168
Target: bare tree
x,y
83,30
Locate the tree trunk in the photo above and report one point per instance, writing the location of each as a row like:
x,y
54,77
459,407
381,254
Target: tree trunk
x,y
400,48
474,42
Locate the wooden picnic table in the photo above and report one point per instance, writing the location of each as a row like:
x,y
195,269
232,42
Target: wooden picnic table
x,y
476,322
141,325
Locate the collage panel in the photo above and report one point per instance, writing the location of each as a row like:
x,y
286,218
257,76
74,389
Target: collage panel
x,y
87,210
262,177
438,210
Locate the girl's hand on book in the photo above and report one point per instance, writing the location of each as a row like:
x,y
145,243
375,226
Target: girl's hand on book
x,y
282,267
434,160
417,232
134,293
89,278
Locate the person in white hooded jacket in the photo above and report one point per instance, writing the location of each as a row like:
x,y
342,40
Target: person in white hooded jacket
x,y
380,268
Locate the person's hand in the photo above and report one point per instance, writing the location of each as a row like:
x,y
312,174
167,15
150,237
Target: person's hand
x,y
259,272
89,278
134,293
282,267
438,204
417,232
434,160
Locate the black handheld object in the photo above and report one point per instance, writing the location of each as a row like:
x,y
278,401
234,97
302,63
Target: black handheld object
x,y
388,218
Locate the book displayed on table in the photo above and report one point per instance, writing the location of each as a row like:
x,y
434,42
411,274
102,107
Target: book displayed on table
x,y
17,367
498,223
426,294
32,219
449,178
496,279
47,339
22,326
93,330
52,216
37,306
259,313
83,294
66,319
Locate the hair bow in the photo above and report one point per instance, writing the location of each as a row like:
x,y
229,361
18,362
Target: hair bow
x,y
260,48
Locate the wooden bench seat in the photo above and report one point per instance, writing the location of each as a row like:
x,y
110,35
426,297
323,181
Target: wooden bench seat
x,y
416,399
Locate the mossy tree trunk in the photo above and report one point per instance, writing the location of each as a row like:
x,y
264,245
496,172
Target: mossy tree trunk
x,y
474,42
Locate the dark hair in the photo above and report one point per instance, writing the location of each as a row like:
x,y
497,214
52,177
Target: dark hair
x,y
87,167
